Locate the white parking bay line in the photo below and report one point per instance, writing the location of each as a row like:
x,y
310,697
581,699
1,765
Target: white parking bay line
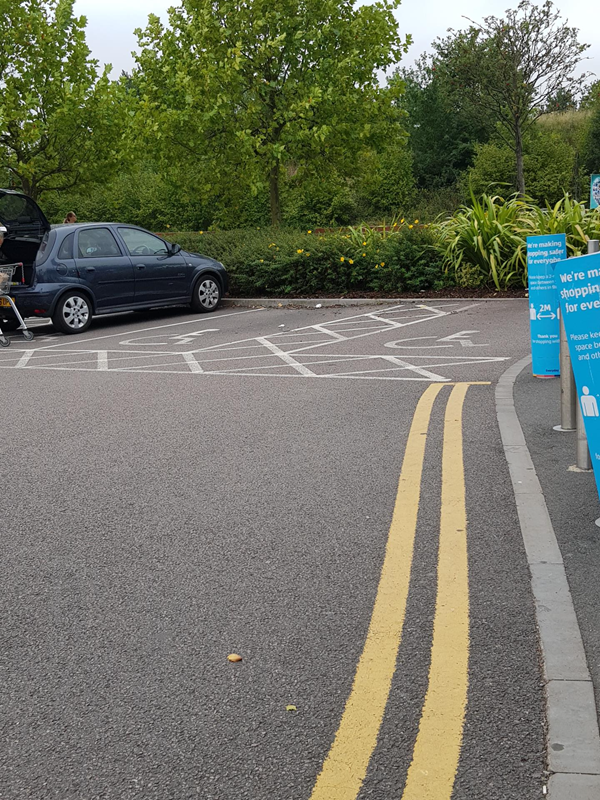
x,y
193,364
154,328
22,362
286,357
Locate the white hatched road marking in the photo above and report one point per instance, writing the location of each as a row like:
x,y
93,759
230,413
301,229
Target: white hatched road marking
x,y
287,354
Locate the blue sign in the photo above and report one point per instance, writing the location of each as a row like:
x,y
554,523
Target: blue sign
x,y
595,191
542,253
579,290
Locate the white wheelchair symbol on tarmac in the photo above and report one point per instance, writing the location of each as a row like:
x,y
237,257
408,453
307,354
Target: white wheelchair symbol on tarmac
x,y
589,405
179,338
462,338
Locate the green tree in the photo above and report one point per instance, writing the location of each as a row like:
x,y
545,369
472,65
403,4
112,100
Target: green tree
x,y
59,118
444,127
512,68
548,165
591,146
250,87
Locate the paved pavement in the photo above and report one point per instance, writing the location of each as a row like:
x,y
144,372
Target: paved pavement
x,y
181,488
572,500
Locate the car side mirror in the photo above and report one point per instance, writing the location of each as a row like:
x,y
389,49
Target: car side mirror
x,y
175,248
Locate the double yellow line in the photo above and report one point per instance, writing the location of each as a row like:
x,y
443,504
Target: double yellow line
x,y
437,749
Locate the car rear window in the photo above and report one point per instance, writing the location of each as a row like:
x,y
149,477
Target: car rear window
x,y
16,208
66,248
45,247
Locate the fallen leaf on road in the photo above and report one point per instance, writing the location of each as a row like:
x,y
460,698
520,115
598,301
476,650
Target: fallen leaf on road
x,y
234,658
291,708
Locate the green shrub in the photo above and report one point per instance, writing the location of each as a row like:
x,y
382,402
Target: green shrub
x,y
566,216
291,262
485,244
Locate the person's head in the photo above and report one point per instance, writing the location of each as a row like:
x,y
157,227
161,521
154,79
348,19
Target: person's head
x,y
71,217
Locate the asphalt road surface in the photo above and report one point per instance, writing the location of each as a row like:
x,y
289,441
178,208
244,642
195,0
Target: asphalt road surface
x,y
321,491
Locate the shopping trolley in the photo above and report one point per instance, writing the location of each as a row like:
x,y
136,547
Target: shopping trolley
x,y
6,274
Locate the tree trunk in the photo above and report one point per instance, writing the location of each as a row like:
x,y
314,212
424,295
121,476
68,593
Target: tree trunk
x,y
576,177
274,196
519,155
28,187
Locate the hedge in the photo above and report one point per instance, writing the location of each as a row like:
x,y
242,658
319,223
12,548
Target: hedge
x,y
281,262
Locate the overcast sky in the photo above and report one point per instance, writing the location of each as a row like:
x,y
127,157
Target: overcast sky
x,y
111,24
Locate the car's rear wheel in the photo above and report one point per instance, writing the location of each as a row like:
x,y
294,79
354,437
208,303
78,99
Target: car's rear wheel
x,y
73,313
207,295
9,324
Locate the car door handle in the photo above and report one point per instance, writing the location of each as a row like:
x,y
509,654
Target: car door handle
x,y
90,269
141,266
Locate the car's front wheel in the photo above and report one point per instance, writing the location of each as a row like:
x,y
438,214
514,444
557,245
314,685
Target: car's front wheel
x,y
73,313
207,295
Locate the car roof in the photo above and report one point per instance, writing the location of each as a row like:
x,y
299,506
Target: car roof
x,y
69,227
72,225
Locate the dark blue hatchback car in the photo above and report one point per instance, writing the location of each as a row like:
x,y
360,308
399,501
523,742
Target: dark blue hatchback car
x,y
73,272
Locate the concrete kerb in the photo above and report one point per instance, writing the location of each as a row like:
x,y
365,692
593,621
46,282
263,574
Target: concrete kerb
x,y
329,302
573,746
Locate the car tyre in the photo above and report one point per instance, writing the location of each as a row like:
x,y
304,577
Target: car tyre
x,y
207,295
10,324
73,313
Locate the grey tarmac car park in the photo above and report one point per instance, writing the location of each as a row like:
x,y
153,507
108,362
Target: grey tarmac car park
x,y
324,492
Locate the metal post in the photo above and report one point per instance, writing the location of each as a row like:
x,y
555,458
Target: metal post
x,y
593,246
583,451
568,393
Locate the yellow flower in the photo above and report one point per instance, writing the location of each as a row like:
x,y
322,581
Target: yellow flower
x,y
262,261
310,231
201,232
402,220
350,261
411,226
308,254
395,224
364,254
383,263
416,222
168,226
376,266
342,258
364,243
299,251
